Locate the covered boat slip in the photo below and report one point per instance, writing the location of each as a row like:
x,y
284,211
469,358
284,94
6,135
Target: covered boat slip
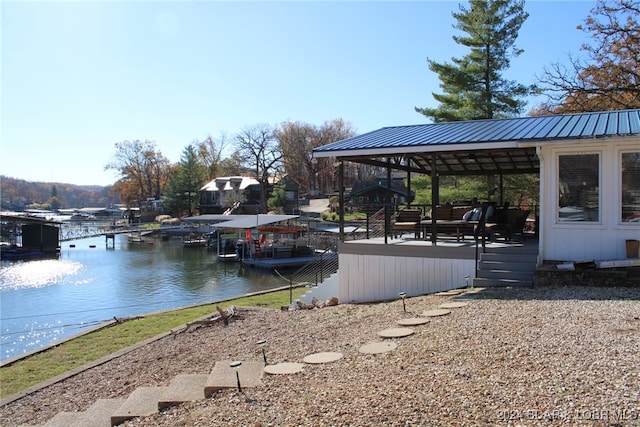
x,y
275,241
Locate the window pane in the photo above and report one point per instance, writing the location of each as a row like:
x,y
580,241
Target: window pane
x,y
579,187
631,187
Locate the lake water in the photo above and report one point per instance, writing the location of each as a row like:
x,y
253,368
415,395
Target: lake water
x,y
46,300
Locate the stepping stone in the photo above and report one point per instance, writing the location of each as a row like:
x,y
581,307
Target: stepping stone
x,y
396,332
435,313
143,402
455,304
413,321
326,357
183,388
378,347
224,376
450,292
283,368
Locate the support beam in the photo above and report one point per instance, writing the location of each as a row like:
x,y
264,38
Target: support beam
x,y
341,198
435,198
408,182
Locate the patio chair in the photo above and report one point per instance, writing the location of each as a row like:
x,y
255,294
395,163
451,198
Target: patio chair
x,y
407,220
512,226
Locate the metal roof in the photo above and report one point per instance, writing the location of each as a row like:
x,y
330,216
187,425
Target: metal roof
x,y
254,221
479,146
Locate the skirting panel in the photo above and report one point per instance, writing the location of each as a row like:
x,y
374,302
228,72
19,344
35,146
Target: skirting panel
x,y
365,278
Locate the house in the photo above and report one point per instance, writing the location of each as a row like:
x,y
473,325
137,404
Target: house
x,y
241,195
225,192
372,194
292,196
589,170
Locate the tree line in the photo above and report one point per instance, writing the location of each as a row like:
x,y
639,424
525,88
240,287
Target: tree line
x,y
261,151
18,194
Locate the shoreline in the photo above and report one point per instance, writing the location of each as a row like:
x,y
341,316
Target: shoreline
x,y
510,351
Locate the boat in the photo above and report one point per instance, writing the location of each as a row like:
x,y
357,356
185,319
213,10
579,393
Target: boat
x,y
271,242
14,252
228,248
195,243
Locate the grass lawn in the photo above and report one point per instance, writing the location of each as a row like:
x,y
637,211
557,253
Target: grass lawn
x,y
90,347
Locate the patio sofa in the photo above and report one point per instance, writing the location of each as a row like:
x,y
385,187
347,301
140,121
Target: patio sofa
x,y
449,220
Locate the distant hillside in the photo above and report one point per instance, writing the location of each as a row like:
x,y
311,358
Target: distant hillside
x,y
18,194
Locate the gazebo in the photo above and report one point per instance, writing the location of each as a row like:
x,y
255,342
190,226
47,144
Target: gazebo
x,y
589,169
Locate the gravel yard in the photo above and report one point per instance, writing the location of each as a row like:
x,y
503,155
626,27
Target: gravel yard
x,y
529,357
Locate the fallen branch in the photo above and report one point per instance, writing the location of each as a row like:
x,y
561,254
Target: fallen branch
x,y
126,319
223,315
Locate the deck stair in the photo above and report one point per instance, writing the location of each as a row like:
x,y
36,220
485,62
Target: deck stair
x,y
146,401
322,291
506,269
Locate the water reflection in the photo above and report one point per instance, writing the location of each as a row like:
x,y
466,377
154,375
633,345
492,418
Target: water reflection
x,y
43,301
36,273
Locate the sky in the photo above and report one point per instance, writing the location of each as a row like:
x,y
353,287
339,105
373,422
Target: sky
x,y
77,77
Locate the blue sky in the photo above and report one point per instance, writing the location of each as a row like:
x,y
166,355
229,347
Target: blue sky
x,y
78,77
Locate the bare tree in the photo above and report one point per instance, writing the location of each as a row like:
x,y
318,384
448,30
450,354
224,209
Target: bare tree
x,y
143,171
258,148
210,153
609,78
297,141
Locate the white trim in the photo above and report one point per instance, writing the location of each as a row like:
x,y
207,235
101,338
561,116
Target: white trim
x,y
431,148
556,195
618,196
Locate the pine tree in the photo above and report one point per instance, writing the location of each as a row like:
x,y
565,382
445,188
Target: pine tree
x,y
473,86
188,176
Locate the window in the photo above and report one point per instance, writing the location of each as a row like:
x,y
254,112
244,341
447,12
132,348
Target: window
x,y
630,187
579,187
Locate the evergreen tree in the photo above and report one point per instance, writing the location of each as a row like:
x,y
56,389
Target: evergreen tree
x,y
186,179
473,86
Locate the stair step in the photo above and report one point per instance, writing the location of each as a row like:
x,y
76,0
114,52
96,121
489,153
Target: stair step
x,y
510,266
98,415
224,376
485,283
183,388
64,419
506,274
509,257
143,402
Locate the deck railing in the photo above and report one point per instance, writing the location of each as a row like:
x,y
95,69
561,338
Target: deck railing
x,y
315,271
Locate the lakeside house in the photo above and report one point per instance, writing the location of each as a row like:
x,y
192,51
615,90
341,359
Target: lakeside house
x,y
589,172
241,195
375,193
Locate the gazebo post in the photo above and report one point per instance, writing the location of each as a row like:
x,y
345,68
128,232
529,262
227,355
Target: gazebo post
x,y
435,198
388,213
341,198
408,182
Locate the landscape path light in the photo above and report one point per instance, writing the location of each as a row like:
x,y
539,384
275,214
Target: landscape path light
x,y
236,364
403,295
261,343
